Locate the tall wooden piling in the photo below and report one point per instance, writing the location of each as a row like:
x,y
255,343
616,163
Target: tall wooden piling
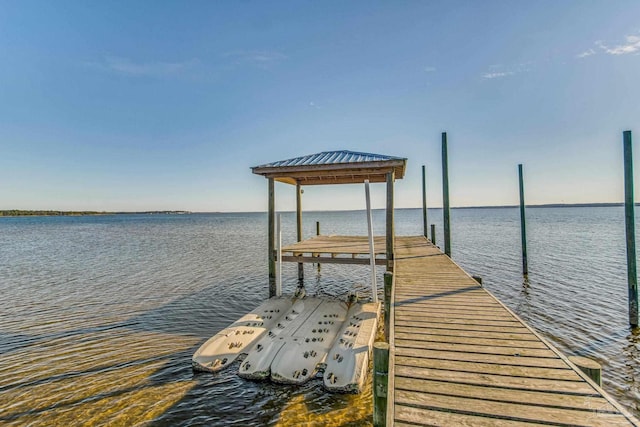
x,y
299,226
380,382
523,226
272,239
629,214
445,197
433,234
390,226
424,202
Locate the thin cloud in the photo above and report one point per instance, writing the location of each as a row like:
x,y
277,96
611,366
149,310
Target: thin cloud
x,y
497,75
142,69
632,46
257,58
586,53
500,71
429,69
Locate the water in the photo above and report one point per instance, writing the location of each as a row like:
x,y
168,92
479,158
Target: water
x,y
99,316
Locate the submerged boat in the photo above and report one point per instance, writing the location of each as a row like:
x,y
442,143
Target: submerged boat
x,y
294,339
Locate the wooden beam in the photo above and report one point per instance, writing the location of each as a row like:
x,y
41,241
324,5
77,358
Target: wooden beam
x,y
398,165
272,240
332,260
331,180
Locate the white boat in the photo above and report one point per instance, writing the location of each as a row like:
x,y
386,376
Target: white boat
x,y
223,348
348,360
291,340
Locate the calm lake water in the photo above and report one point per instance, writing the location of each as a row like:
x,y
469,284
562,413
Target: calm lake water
x,y
99,316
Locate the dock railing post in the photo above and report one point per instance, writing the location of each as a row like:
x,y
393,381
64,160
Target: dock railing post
x,y
629,215
445,197
523,226
433,234
388,285
380,382
425,223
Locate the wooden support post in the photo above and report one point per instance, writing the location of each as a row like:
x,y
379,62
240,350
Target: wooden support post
x,y
272,240
390,227
299,226
523,227
279,257
590,367
317,234
433,234
629,215
388,285
424,202
478,279
372,252
445,197
380,382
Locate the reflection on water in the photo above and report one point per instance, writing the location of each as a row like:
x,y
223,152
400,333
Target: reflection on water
x,y
100,315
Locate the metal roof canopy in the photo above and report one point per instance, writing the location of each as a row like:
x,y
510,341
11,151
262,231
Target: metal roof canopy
x,y
333,167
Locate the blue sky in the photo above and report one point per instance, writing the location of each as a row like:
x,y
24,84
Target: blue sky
x,y
166,105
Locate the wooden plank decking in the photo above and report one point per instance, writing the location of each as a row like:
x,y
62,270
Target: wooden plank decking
x,y
459,357
335,249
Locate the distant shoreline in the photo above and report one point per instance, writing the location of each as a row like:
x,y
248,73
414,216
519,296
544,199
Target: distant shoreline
x,y
18,212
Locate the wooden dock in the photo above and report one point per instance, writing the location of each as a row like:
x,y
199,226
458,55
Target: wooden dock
x,y
459,357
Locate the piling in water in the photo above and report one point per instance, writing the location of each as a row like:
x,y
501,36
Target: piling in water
x,y
299,227
523,227
424,202
629,214
445,196
272,238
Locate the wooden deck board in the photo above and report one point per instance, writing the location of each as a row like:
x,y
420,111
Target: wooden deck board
x,y
459,357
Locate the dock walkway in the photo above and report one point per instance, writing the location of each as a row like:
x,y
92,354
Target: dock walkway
x,y
459,357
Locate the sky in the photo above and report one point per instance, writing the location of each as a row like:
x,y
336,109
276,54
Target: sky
x,y
147,105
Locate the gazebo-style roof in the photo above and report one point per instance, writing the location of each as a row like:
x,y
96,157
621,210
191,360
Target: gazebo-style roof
x,y
333,167
330,167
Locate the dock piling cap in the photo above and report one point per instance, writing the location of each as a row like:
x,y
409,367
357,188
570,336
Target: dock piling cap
x,y
585,362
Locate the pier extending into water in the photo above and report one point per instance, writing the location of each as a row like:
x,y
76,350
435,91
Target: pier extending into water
x,y
455,356
458,356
